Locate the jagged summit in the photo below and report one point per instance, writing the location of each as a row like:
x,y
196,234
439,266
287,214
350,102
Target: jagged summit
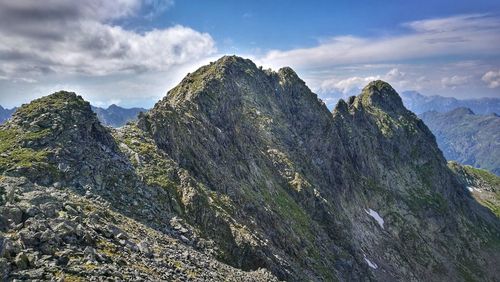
x,y
377,94
381,94
68,106
60,127
220,81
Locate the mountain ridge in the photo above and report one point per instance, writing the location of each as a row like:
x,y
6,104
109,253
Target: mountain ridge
x,y
116,116
466,137
419,103
250,168
113,116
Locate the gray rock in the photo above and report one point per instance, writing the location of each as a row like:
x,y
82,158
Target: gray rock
x,y
21,261
144,248
13,214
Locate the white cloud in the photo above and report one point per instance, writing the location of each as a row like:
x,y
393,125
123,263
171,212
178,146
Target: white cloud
x,y
454,81
492,78
347,85
395,74
459,35
352,85
68,37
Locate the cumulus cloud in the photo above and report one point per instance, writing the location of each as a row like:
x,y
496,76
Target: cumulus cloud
x,y
458,35
347,85
492,78
59,36
352,85
454,81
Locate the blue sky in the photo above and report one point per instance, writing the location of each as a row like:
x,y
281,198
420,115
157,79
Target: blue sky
x,y
293,24
131,52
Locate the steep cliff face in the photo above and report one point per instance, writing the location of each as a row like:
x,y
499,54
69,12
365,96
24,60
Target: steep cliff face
x,y
430,221
307,182
245,169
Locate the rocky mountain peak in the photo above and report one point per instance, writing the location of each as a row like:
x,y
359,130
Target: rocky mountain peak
x,y
60,127
59,110
233,86
380,94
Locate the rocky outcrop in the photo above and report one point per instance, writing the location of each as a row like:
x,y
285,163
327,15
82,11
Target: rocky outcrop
x,y
247,169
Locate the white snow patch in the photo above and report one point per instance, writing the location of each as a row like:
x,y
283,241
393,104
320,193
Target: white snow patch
x,y
371,264
376,216
472,189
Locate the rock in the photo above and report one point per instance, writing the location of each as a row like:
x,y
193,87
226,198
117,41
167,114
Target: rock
x,y
8,248
21,261
185,239
122,236
13,214
90,254
50,209
144,248
4,269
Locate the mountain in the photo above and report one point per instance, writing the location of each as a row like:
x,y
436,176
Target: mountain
x,y
239,173
113,116
5,114
466,137
419,103
116,116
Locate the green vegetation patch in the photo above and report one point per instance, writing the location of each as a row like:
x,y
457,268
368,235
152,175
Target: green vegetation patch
x,y
56,101
14,154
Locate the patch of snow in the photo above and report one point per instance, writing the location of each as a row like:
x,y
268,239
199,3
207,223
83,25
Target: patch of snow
x,y
376,216
472,189
371,264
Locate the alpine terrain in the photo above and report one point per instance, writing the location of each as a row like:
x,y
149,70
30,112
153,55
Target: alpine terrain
x,y
114,116
466,137
241,174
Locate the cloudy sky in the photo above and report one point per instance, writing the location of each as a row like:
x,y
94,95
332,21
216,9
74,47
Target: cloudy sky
x,y
131,52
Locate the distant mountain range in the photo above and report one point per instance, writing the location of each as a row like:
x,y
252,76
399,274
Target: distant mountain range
x,y
419,103
114,116
5,114
466,137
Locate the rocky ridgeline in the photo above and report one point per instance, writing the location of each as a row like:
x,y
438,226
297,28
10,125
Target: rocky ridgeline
x,y
237,170
69,194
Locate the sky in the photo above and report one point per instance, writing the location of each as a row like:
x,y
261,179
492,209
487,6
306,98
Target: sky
x,y
131,52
